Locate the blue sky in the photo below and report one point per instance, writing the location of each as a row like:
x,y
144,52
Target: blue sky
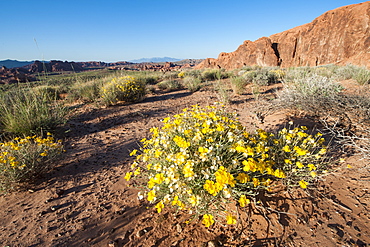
x,y
120,30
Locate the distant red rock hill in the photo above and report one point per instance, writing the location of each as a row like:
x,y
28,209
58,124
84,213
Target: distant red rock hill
x,y
339,36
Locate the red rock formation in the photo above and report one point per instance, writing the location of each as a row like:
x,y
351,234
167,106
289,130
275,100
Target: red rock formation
x,y
14,75
339,36
53,66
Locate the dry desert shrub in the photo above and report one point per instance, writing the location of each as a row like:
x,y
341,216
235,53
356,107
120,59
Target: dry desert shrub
x,y
169,85
314,94
85,91
238,84
263,76
192,83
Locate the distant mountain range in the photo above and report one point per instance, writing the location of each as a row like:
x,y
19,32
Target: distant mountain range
x,y
155,60
94,64
14,63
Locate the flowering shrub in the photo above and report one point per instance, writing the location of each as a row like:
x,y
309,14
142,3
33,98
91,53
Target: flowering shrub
x,y
125,88
181,74
203,158
278,73
22,159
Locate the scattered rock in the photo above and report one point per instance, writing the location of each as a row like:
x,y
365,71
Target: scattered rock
x,y
113,244
59,192
178,228
140,233
54,208
212,244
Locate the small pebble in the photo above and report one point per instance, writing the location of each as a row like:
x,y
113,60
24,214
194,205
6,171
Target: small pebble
x,y
211,244
112,244
178,228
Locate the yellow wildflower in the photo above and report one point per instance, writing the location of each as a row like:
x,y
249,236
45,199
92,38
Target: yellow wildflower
x,y
243,178
299,164
231,220
311,167
133,152
243,201
151,196
303,184
128,176
193,200
208,220
159,206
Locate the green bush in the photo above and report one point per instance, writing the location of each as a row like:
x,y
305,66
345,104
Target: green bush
x,y
126,88
315,86
48,93
238,84
203,159
192,83
362,76
169,75
22,160
359,74
214,74
314,94
169,85
28,112
264,76
87,91
148,79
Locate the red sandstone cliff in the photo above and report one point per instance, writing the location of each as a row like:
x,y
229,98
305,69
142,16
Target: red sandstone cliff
x,y
339,36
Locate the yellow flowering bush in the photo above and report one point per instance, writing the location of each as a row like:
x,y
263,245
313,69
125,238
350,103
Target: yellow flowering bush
x,y
280,74
126,88
202,159
23,159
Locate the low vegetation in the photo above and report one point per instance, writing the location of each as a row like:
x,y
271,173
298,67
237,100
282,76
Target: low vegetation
x,y
126,88
22,160
202,160
29,112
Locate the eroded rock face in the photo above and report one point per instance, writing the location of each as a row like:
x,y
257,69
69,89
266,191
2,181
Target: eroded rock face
x,y
339,36
54,66
14,75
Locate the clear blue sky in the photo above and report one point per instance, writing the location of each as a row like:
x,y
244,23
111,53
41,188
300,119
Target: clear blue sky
x,y
121,30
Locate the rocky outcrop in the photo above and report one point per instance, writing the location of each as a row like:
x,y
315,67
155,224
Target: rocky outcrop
x,y
339,36
94,64
164,67
53,66
14,75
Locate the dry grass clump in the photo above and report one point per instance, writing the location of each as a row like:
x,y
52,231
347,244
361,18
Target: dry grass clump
x,y
262,76
192,83
86,91
238,84
28,112
169,85
214,74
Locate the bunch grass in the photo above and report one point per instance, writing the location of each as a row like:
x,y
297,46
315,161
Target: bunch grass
x,y
27,112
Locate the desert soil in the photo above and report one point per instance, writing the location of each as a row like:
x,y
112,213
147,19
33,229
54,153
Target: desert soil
x,y
85,201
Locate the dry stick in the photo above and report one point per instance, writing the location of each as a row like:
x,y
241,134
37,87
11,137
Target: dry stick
x,y
260,210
